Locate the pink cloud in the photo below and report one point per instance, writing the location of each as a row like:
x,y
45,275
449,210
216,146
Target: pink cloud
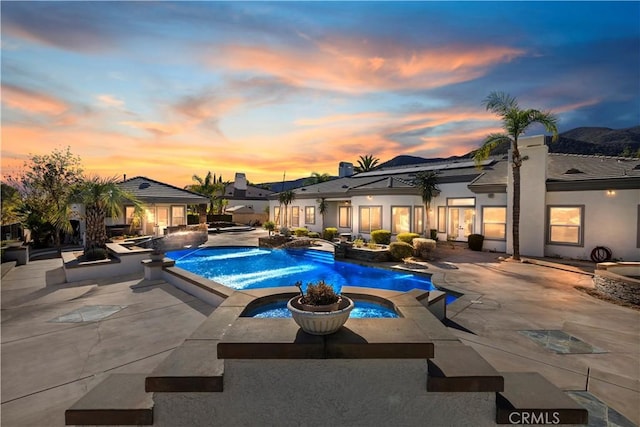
x,y
31,102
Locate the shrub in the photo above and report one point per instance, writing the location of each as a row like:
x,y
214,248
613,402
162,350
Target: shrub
x,y
400,250
95,254
284,231
423,247
407,237
372,245
330,233
381,237
314,234
301,232
358,243
318,294
475,242
269,226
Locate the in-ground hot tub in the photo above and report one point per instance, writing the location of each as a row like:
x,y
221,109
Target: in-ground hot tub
x,y
619,280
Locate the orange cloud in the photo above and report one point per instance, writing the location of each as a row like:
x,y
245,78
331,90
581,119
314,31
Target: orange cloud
x,y
338,66
31,102
110,100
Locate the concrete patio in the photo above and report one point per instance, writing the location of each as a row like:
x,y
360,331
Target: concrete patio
x,y
48,365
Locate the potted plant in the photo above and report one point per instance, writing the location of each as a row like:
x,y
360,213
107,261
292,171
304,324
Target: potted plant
x,y
320,311
157,254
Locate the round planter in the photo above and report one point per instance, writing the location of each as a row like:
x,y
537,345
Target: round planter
x,y
156,256
320,322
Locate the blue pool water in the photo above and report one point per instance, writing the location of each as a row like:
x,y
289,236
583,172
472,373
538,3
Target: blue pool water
x,y
251,268
361,310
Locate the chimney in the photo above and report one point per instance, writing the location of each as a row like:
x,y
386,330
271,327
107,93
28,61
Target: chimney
x,y
124,177
345,169
240,183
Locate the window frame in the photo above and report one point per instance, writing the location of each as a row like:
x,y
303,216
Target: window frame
x,y
348,216
184,215
409,209
295,223
309,211
369,207
441,221
580,242
482,222
418,217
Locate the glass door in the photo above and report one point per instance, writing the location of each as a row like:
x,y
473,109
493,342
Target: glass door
x,y
162,219
461,222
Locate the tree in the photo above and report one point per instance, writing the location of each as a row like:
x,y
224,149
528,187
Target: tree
x,y
317,178
102,198
323,207
285,198
515,122
45,187
209,186
366,163
427,182
11,202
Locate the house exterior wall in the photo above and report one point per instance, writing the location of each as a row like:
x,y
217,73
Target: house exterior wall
x,y
609,220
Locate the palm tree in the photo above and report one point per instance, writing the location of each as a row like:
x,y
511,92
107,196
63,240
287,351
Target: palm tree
x,y
515,122
427,182
209,186
323,207
285,198
366,163
317,178
101,197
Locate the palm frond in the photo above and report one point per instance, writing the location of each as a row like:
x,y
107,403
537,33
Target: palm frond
x,y
500,103
490,142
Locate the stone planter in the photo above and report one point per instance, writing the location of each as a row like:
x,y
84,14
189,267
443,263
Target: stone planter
x,y
156,256
320,322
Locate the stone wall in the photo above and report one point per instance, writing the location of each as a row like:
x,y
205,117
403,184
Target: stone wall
x,y
623,288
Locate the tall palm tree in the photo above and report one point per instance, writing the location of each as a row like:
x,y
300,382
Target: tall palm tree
x,y
101,197
323,207
427,182
285,198
317,178
367,163
515,122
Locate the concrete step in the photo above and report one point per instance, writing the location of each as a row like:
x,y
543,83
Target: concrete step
x,y
459,368
529,398
118,400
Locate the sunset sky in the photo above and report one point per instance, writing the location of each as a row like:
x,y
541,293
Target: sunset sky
x,y
168,90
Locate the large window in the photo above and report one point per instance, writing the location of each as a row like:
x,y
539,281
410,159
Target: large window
x,y
177,215
494,222
442,219
309,215
400,219
129,214
370,218
344,217
565,225
276,215
418,219
295,216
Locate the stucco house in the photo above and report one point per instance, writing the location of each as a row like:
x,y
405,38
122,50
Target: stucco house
x,y
569,203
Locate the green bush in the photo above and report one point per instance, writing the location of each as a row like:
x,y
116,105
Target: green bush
x,y
381,237
407,237
95,254
314,234
400,250
330,233
269,226
475,242
301,232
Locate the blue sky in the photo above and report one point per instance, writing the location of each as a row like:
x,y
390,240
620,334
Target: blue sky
x,y
170,89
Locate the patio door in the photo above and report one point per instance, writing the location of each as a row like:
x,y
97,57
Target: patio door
x,y
162,219
461,222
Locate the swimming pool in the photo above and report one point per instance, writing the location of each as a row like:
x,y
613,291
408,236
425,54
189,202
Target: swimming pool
x,y
251,268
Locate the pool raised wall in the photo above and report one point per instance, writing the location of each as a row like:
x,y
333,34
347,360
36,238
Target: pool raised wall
x,y
619,280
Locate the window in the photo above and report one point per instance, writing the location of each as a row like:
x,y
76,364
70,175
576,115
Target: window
x,y
466,201
442,219
177,215
295,216
565,225
400,219
309,215
276,215
494,222
370,218
129,214
418,219
344,217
